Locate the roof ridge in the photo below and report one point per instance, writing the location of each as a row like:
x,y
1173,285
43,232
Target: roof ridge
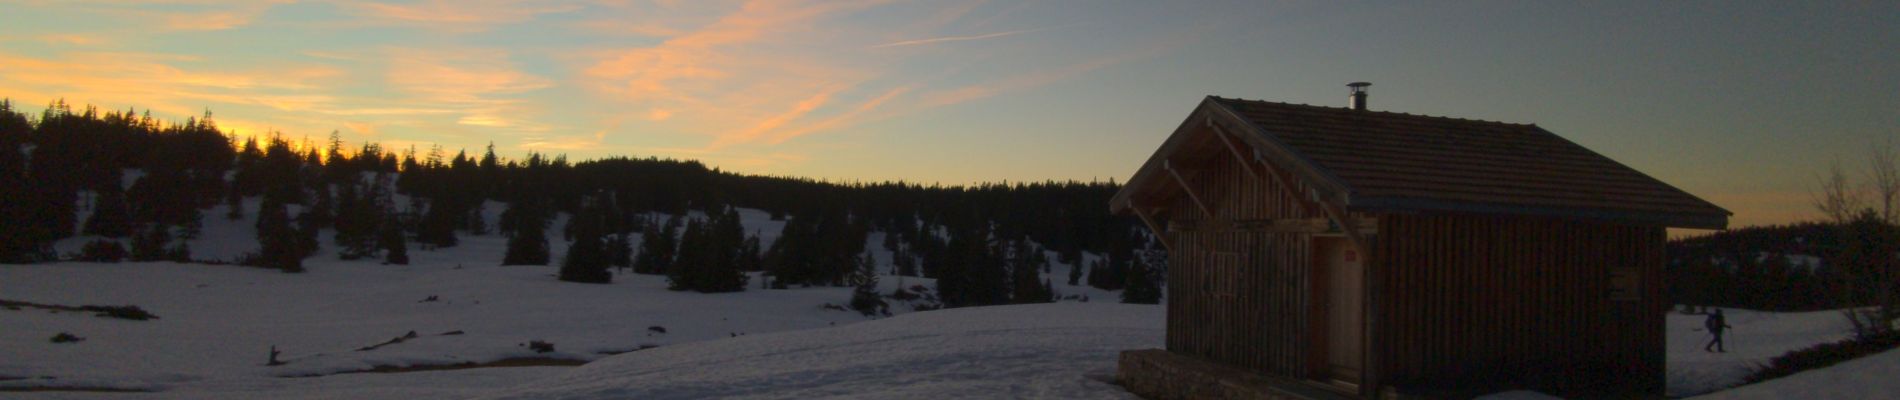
x,y
1397,113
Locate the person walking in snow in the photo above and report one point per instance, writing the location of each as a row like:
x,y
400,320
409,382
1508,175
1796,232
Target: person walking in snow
x,y
1716,323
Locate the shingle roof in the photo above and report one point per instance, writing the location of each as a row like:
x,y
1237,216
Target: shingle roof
x,y
1392,161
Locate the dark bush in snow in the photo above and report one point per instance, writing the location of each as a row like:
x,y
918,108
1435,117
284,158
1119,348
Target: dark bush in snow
x,y
102,250
1823,355
130,312
64,337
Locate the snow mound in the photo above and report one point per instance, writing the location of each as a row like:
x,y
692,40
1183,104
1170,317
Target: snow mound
x,y
1063,350
1870,377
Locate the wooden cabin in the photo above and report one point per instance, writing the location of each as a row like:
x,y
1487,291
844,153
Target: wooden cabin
x,y
1373,254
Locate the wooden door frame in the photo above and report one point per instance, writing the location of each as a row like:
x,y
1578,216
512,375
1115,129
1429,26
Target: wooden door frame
x,y
1319,312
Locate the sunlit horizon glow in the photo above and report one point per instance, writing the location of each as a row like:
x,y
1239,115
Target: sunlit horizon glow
x,y
1741,104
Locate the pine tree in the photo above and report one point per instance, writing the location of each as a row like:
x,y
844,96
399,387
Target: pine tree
x,y
437,228
234,204
657,247
864,295
477,223
528,240
1141,287
150,243
357,222
109,215
620,251
395,247
277,240
1026,275
1075,271
693,257
586,259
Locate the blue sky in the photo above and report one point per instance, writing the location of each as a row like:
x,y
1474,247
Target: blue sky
x,y
1741,103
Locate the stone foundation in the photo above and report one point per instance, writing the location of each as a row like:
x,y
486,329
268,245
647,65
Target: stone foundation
x,y
1157,374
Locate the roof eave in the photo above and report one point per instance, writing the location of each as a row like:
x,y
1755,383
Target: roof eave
x,y
1714,219
1145,177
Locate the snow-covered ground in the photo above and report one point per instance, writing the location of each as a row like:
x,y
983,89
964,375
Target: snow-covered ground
x,y
217,324
1054,351
1757,337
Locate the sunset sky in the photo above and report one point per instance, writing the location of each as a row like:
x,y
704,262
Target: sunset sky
x,y
1740,103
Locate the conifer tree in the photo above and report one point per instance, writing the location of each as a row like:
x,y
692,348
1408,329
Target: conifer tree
x,y
477,222
620,251
150,243
658,247
234,204
693,257
1075,272
528,242
395,247
278,243
864,295
586,259
1026,275
437,228
109,215
357,222
1141,287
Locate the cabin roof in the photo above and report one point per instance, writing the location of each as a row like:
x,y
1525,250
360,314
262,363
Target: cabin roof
x,y
1377,161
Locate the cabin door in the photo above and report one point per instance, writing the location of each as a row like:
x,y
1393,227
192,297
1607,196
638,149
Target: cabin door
x,y
1339,293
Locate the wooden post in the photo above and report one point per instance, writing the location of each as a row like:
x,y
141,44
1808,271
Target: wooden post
x,y
1150,222
1232,149
1169,165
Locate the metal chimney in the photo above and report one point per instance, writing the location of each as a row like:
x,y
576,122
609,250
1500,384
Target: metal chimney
x,y
1358,97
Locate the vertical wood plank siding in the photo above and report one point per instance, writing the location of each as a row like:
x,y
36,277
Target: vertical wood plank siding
x,y
1467,302
1492,301
1262,324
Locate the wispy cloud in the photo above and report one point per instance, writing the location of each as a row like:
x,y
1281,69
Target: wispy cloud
x,y
728,76
458,16
480,84
71,39
947,39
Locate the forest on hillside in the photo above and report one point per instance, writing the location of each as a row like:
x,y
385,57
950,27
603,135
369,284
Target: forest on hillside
x,y
148,182
1795,267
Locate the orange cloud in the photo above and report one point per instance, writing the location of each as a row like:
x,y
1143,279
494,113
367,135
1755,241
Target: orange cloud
x,y
481,84
71,39
730,68
767,125
841,120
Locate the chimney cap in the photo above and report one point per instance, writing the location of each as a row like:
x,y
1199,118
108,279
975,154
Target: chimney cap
x,y
1357,100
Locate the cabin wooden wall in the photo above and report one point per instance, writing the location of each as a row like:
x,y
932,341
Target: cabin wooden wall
x,y
1237,297
1472,301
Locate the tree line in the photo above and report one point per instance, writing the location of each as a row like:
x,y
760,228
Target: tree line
x,y
149,181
